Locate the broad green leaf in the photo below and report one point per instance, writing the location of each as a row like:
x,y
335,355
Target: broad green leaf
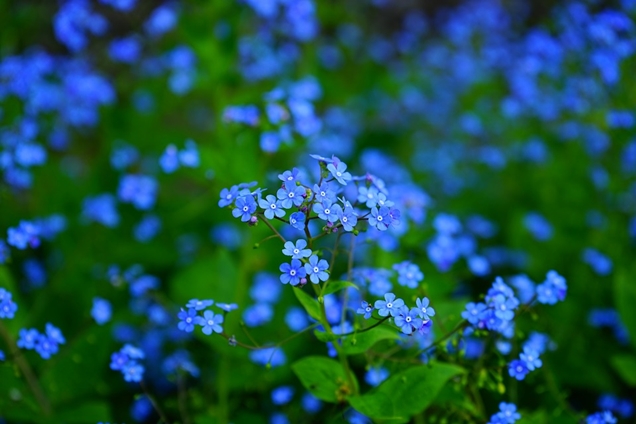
x,y
361,342
625,366
625,299
336,286
406,393
310,304
324,378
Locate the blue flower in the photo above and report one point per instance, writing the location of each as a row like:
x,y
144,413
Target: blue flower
x,y
376,375
366,309
140,190
507,414
228,196
27,338
245,206
26,234
292,273
199,305
292,196
101,311
518,369
380,218
504,307
390,305
133,372
54,334
169,160
7,306
282,395
289,177
338,171
210,322
348,218
425,312
272,207
604,417
408,320
327,211
474,312
227,307
297,220
298,250
531,358
324,192
187,320
368,195
296,318
409,274
317,270
101,209
45,346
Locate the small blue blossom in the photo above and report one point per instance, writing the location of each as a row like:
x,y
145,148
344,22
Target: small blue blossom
x,y
199,305
289,177
101,209
327,211
210,322
518,369
531,358
310,403
317,270
604,417
507,414
292,273
324,193
282,395
376,375
380,218
169,160
296,318
272,207
245,206
27,338
408,320
54,334
101,310
297,220
45,346
297,251
187,320
140,190
409,274
338,171
291,196
474,312
368,195
425,312
348,218
365,309
390,305
133,372
7,305
228,196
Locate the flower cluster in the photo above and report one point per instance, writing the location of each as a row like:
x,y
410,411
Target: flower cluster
x,y
46,344
126,360
528,361
409,320
209,321
318,201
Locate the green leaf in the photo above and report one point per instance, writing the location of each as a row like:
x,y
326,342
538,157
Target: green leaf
x,y
406,393
625,365
310,304
361,342
324,378
336,286
625,299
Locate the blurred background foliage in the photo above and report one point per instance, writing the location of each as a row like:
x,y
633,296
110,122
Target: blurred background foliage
x,y
499,110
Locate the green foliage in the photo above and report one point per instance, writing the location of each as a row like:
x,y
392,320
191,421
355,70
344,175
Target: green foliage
x,y
325,378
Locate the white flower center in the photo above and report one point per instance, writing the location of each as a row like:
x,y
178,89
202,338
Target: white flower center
x,y
338,174
228,197
316,270
292,272
296,251
389,305
408,319
327,211
245,208
210,322
273,206
291,194
188,320
379,217
344,219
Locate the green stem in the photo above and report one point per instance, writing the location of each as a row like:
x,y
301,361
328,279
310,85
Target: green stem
x,y
155,405
27,371
271,227
460,326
